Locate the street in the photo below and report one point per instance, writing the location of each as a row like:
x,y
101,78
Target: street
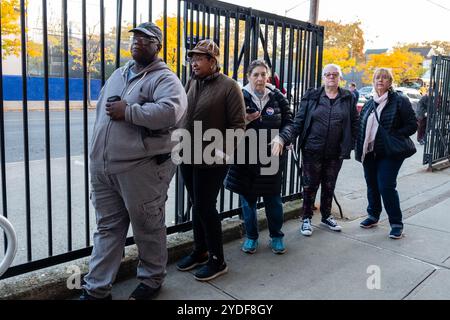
x,y
14,141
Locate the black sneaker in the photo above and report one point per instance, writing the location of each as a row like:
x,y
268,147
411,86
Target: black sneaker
x,y
331,223
396,233
368,223
144,292
86,296
191,261
211,271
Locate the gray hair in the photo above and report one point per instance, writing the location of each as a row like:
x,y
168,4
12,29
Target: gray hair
x,y
332,65
257,63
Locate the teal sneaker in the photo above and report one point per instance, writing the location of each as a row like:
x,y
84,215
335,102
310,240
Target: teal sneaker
x,y
277,245
250,246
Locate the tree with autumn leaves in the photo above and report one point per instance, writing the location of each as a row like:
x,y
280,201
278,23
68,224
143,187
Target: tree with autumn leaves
x,y
343,44
10,26
404,65
171,40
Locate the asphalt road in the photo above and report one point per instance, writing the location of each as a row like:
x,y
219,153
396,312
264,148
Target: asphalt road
x,y
14,137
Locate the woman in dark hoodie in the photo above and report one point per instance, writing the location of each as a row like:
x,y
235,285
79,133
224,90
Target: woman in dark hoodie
x,y
396,116
267,109
327,123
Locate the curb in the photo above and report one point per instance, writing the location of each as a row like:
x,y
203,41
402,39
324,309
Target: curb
x,y
33,106
40,109
52,283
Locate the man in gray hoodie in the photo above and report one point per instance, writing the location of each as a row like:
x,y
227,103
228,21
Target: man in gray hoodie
x,y
138,109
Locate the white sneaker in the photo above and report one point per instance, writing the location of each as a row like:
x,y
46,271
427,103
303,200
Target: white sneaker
x,y
332,224
306,228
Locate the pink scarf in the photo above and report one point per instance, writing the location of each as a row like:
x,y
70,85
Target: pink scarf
x,y
372,124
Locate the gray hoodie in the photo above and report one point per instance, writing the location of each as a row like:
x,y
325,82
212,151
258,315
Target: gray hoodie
x,y
260,101
156,106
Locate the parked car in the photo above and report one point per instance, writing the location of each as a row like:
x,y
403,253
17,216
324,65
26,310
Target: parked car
x,y
412,94
365,93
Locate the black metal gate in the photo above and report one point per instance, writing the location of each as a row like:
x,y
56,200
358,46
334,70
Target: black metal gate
x,y
60,228
437,145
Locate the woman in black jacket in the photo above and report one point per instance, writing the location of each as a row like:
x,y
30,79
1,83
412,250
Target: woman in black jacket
x,y
327,123
267,109
396,116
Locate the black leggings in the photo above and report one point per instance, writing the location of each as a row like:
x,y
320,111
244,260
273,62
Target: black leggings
x,y
203,185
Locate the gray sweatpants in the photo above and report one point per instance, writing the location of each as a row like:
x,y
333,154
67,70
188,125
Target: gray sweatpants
x,y
139,196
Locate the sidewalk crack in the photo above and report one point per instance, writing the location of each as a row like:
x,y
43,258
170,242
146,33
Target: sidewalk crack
x,y
221,290
419,284
428,228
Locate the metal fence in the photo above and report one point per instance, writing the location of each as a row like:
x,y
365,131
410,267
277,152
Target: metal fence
x,y
437,145
292,48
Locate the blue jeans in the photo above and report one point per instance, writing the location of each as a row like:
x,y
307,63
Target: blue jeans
x,y
274,214
381,179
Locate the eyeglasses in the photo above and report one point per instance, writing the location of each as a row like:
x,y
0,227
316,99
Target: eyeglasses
x,y
143,40
331,74
196,59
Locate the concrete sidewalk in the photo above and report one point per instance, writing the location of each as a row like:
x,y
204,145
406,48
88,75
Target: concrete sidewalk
x,y
353,264
330,265
17,106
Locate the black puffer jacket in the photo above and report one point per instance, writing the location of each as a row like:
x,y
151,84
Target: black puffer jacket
x,y
397,118
246,179
303,120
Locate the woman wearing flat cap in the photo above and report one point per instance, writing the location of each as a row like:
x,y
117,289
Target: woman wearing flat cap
x,y
215,101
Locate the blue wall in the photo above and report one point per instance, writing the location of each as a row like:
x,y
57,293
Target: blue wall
x,y
12,88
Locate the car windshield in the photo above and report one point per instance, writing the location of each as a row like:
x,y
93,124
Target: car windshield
x,y
365,90
414,95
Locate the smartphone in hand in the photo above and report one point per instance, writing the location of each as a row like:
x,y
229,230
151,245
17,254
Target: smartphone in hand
x,y
251,110
113,99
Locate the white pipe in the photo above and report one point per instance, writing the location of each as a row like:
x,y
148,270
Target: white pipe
x,y
12,244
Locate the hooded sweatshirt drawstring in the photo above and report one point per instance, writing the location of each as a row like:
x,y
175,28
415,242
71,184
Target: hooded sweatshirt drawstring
x,y
145,73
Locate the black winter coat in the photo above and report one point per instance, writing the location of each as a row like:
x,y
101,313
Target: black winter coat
x,y
246,179
303,119
397,118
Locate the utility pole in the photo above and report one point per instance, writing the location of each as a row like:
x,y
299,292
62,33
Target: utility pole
x,y
297,5
314,11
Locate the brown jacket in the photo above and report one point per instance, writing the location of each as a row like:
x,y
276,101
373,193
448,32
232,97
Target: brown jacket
x,y
217,101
